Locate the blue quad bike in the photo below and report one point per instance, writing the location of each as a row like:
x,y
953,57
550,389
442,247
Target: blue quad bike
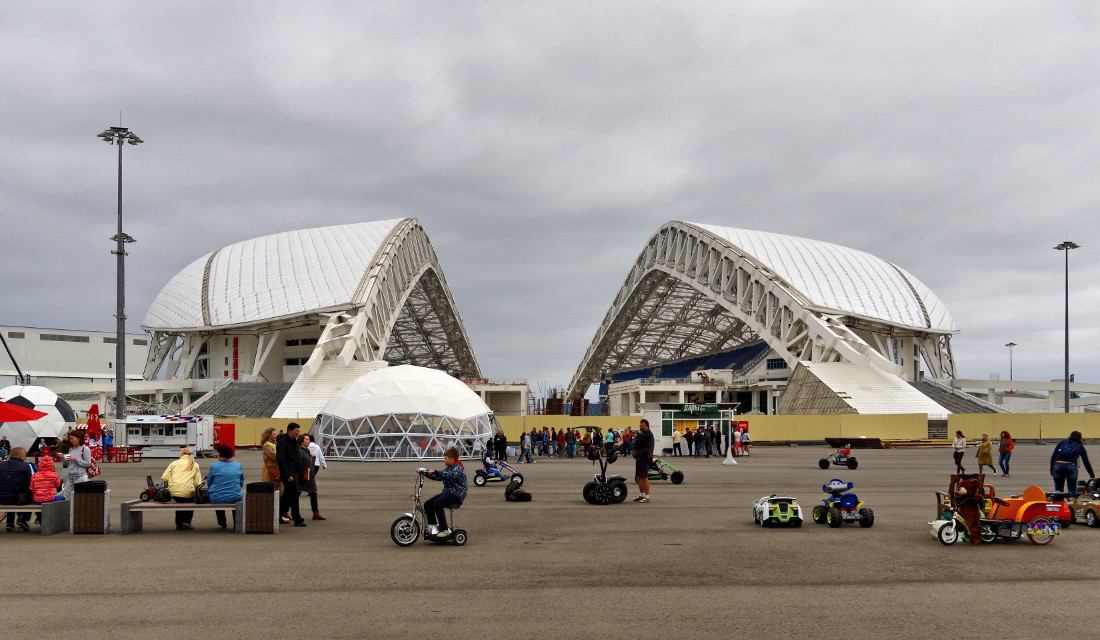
x,y
604,489
492,472
841,506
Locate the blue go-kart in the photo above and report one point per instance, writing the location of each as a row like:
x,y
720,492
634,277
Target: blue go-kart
x,y
491,471
841,506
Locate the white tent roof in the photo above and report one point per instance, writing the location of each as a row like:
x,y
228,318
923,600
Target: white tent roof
x,y
406,389
276,276
842,279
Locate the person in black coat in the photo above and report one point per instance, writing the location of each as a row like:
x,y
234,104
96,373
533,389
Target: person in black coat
x,y
291,472
500,442
15,486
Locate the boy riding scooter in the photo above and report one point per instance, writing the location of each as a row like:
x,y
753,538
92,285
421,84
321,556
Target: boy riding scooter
x,y
453,477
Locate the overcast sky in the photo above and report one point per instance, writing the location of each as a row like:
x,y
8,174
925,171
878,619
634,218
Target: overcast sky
x,y
542,144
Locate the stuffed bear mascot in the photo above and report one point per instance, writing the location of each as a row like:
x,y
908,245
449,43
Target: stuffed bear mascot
x,y
969,496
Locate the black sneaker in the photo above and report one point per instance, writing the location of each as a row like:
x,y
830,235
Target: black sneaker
x,y
300,524
12,528
25,526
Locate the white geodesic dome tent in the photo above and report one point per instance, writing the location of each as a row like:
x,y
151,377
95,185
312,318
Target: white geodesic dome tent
x,y
403,413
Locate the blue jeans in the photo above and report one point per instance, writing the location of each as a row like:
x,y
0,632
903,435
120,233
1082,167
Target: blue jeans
x,y
710,449
1003,461
1063,472
525,453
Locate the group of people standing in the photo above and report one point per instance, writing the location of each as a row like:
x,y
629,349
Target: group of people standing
x,y
293,461
566,442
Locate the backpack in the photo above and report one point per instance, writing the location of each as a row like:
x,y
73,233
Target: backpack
x,y
513,493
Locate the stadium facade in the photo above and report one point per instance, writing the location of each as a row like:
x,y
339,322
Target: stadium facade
x,y
701,294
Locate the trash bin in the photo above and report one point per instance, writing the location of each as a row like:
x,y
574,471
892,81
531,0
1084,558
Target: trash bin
x,y
91,507
261,511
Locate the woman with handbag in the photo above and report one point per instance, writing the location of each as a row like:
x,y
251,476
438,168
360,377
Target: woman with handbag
x,y
75,462
182,476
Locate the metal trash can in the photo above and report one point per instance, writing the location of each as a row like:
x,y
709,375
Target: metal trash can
x,y
91,507
261,508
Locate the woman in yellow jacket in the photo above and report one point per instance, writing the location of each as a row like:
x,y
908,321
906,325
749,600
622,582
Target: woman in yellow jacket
x,y
182,476
270,470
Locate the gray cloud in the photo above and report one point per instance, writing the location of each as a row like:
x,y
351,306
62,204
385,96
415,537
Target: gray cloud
x,y
542,144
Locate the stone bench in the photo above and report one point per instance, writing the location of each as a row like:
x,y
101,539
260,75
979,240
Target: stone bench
x,y
133,512
55,515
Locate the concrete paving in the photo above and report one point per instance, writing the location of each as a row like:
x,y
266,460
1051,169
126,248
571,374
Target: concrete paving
x,y
690,563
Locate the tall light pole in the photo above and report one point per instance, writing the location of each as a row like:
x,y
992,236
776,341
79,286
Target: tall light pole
x,y
1010,345
119,136
1066,246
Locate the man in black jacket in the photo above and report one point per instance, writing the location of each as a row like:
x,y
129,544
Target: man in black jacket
x,y
15,486
643,457
290,470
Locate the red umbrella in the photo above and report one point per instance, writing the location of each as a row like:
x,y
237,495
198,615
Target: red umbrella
x,y
14,413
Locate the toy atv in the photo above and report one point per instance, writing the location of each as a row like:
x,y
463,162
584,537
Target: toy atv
x,y
661,470
777,509
840,458
841,507
151,490
604,489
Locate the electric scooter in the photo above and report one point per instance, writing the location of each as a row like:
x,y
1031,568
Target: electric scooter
x,y
406,530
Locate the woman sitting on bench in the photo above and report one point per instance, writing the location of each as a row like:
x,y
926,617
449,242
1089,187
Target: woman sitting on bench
x,y
224,481
183,476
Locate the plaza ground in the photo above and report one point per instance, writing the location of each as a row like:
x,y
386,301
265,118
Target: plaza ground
x,y
689,564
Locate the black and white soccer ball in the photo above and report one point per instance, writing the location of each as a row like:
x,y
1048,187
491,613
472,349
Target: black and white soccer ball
x,y
59,418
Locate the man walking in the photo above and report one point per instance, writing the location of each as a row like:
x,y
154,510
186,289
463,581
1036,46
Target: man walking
x,y
643,457
290,468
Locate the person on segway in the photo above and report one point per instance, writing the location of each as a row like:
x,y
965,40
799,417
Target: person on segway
x,y
453,477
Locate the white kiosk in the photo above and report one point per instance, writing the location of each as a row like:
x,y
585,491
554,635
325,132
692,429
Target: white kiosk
x,y
166,436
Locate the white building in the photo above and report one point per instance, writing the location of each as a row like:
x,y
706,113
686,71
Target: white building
x,y
53,357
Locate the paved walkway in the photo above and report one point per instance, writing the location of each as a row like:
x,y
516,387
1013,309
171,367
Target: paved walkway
x,y
690,564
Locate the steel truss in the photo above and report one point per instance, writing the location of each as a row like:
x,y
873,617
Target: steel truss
x,y
691,293
402,312
413,436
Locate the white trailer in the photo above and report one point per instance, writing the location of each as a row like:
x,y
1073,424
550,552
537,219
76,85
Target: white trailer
x,y
166,436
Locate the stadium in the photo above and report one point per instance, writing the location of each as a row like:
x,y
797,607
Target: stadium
x,y
745,323
780,324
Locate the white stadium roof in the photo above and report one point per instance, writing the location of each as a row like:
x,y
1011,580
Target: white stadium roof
x,y
271,277
837,278
406,389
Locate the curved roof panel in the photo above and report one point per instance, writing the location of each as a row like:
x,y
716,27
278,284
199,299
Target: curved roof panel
x,y
405,389
840,279
274,276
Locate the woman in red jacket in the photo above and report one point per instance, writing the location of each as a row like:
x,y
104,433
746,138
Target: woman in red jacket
x,y
1005,449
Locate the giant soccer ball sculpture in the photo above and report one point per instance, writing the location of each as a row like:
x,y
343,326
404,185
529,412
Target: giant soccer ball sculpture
x,y
59,417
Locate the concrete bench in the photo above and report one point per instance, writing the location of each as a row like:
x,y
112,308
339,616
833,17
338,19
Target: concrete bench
x,y
55,515
133,512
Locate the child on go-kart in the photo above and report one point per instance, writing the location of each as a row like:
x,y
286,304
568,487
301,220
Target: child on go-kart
x,y
453,477
489,463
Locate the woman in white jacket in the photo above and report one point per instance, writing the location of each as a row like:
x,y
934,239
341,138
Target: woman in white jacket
x,y
959,447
